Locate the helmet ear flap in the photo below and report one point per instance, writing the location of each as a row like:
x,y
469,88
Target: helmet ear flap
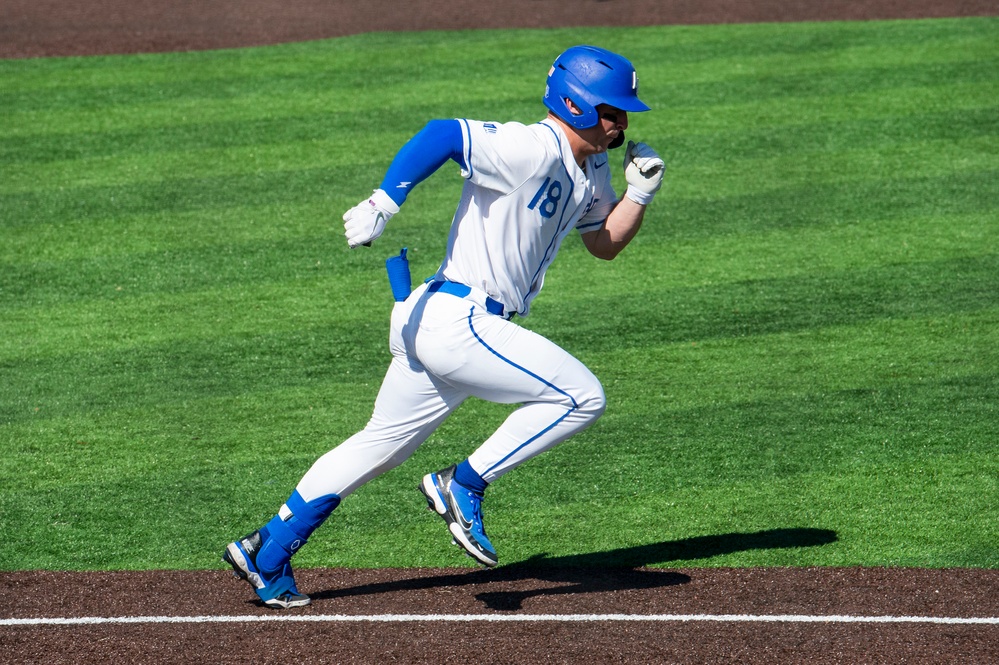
x,y
582,114
563,87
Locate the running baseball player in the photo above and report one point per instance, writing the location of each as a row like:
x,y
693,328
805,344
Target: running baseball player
x,y
527,187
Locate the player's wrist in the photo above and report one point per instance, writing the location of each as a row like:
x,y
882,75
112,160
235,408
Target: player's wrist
x,y
381,200
639,196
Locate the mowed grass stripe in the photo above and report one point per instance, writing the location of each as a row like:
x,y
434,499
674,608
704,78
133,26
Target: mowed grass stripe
x,y
118,334
121,321
233,249
787,107
789,47
698,148
823,79
191,369
193,366
155,230
327,131
882,163
136,166
828,72
199,265
970,179
833,203
893,156
783,253
165,270
865,358
812,109
175,195
646,318
37,155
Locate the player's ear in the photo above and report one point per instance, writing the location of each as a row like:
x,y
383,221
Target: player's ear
x,y
573,109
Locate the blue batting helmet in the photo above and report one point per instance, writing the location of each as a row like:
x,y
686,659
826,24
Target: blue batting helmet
x,y
589,76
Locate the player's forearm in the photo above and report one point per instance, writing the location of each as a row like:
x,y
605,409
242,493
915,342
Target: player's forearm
x,y
620,228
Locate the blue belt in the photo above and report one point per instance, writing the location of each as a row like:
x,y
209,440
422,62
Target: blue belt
x,y
461,290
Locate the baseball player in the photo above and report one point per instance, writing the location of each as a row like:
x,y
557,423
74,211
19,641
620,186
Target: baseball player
x,y
527,187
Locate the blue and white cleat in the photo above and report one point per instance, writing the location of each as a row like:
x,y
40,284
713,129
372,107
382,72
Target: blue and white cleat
x,y
277,588
461,508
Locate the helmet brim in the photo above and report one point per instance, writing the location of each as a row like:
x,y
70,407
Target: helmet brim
x,y
630,104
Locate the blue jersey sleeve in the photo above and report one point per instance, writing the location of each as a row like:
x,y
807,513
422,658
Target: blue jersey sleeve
x,y
437,142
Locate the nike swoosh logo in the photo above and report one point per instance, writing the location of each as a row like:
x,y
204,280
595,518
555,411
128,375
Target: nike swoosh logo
x,y
464,523
601,165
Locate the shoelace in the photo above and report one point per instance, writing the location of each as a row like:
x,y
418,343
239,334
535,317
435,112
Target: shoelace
x,y
476,502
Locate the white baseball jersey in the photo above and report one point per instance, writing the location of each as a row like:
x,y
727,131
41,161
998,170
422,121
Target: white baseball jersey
x,y
524,193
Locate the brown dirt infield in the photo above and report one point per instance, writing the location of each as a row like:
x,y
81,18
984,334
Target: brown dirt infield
x,y
38,28
507,591
31,28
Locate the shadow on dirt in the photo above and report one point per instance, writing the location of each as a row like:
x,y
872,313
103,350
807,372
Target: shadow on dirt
x,y
613,570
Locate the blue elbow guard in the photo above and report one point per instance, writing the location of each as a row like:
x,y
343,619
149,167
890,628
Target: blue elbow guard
x,y
399,277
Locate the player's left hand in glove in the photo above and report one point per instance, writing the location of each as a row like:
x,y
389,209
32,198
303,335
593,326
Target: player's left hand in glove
x,y
366,221
644,170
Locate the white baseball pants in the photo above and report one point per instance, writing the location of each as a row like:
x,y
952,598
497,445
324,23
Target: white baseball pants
x,y
445,349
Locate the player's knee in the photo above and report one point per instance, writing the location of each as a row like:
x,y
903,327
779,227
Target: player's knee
x,y
592,402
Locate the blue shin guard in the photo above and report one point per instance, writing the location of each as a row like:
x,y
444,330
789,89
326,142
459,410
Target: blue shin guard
x,y
282,538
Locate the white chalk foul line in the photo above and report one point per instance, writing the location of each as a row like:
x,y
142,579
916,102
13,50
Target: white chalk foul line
x,y
558,618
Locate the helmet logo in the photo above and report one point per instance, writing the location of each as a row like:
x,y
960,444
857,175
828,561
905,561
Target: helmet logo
x,y
634,81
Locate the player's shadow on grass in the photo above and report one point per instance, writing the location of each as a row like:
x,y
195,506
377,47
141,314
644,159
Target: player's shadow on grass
x,y
613,570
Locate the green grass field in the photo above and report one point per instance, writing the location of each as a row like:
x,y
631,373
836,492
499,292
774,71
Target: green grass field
x,y
804,338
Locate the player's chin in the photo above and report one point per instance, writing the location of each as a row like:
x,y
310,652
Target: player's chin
x,y
605,144
616,141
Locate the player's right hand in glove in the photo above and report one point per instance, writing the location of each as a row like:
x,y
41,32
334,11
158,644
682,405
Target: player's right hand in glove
x,y
644,170
366,221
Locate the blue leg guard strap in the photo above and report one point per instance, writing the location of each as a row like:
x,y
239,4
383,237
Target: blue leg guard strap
x,y
313,513
286,537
